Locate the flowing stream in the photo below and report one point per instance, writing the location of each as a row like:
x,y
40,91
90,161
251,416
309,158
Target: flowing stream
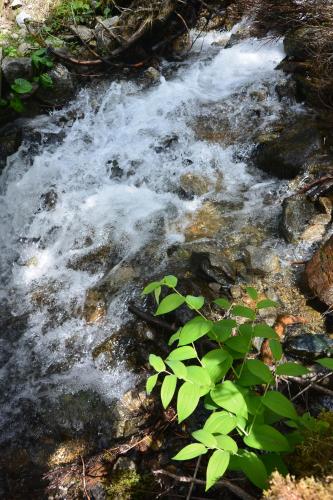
x,y
106,176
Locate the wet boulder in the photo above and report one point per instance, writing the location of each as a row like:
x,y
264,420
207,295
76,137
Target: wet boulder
x,y
10,141
308,346
262,260
17,67
62,87
301,43
301,219
319,273
284,154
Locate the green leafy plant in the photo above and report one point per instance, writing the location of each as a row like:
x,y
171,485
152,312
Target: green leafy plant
x,y
41,60
246,414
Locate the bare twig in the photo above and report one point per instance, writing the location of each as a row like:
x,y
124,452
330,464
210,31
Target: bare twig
x,y
194,477
224,483
84,479
312,385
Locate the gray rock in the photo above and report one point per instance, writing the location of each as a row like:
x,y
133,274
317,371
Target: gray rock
x,y
152,74
124,463
62,89
285,153
286,89
83,32
18,67
104,41
300,43
263,261
15,4
297,212
308,346
22,18
10,141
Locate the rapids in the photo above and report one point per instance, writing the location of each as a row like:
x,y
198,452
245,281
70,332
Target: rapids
x,y
106,174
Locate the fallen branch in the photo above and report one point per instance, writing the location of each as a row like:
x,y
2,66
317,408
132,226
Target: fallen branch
x,y
317,182
224,483
312,385
59,55
151,319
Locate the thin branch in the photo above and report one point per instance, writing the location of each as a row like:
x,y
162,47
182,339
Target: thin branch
x,y
312,385
194,477
84,479
151,319
224,483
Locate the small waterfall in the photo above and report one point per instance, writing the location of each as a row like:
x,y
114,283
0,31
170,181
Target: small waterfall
x,y
112,181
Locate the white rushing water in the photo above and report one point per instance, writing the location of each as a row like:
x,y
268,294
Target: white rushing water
x,y
114,181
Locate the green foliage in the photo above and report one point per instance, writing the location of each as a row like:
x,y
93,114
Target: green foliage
x,y
21,86
237,391
41,60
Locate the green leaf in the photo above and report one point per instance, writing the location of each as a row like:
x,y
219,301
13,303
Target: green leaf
x,y
215,357
191,451
279,404
260,370
205,437
265,331
223,303
151,382
253,468
326,363
194,302
194,330
266,303
157,294
3,103
272,462
16,104
292,369
217,369
229,396
252,292
248,379
198,375
182,353
168,389
222,329
220,422
157,363
170,281
178,368
170,303
265,437
238,343
226,443
217,465
21,86
45,80
243,312
276,348
187,400
174,337
151,287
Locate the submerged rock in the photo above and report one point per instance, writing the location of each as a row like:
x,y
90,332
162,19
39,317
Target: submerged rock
x,y
319,273
285,153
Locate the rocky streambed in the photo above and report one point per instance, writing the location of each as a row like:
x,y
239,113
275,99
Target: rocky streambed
x,y
188,175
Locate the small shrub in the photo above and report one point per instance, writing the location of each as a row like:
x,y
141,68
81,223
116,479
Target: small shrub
x,y
247,415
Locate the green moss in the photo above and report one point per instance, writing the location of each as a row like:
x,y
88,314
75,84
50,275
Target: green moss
x,y
314,456
128,485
